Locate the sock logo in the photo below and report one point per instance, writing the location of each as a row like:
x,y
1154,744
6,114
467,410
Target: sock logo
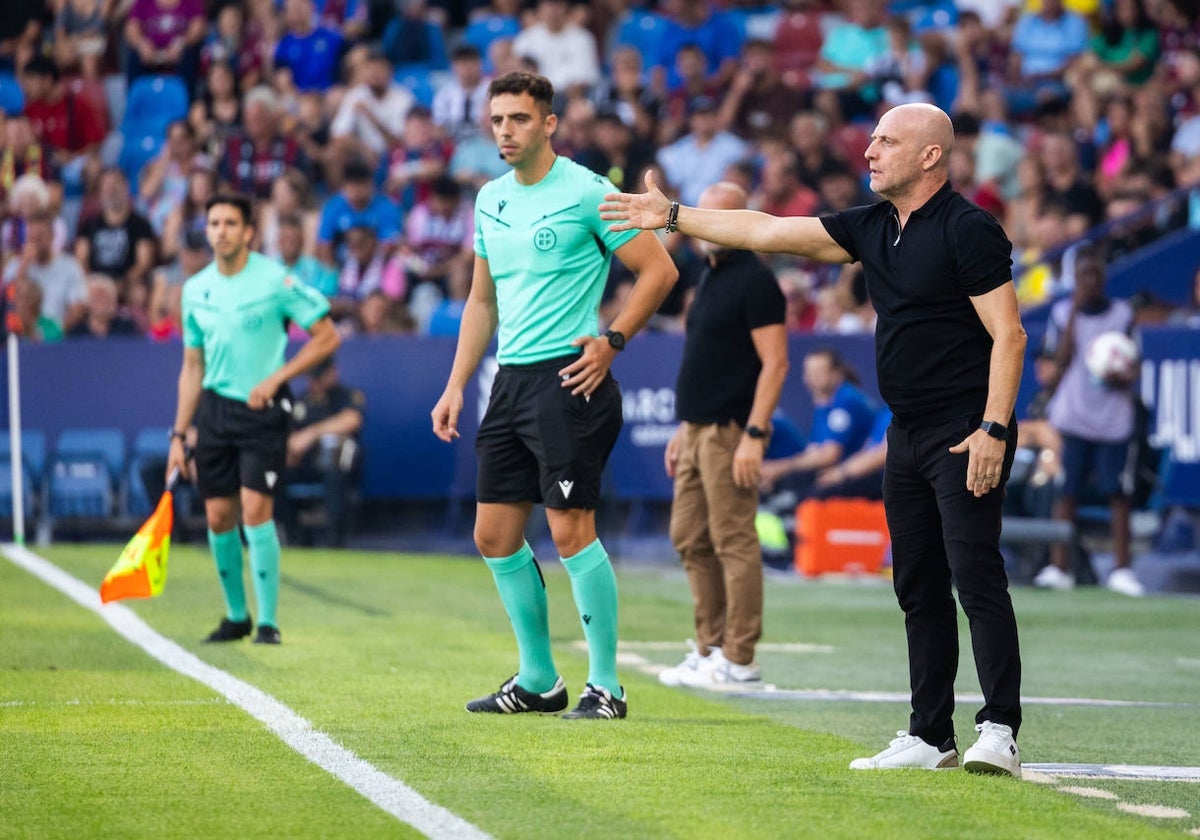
x,y
587,619
270,476
566,487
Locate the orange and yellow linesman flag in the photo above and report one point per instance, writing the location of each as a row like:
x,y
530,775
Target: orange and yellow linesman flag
x,y
141,570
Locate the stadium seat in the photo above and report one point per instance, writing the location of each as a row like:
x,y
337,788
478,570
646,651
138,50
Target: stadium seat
x,y
85,473
418,85
155,101
141,144
12,98
150,445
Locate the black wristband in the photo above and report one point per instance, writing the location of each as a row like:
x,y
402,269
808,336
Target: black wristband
x,y
175,433
673,217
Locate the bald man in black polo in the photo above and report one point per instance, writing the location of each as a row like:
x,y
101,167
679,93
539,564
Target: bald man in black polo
x,y
949,347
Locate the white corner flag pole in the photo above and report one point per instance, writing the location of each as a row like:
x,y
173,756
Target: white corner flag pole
x,y
17,469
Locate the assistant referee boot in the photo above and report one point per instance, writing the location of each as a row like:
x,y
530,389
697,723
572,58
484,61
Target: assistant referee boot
x,y
511,699
231,631
598,703
268,635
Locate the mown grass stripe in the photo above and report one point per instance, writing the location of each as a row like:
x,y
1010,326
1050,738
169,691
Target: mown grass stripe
x,y
386,792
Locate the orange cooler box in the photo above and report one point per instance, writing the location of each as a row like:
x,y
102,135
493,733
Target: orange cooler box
x,y
840,536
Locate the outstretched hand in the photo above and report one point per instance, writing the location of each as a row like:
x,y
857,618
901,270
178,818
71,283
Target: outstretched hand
x,y
644,211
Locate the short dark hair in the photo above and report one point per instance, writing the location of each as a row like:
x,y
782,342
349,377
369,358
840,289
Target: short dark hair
x,y
518,82
40,65
465,52
241,202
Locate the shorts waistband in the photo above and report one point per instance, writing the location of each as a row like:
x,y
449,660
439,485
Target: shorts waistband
x,y
541,367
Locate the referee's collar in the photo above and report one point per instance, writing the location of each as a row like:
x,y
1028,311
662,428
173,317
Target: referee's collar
x,y
935,202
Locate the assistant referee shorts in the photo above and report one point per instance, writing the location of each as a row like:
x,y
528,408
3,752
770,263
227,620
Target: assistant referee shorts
x,y
539,443
237,446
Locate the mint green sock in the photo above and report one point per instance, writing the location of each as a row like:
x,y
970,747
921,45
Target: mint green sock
x,y
523,593
227,554
264,563
595,588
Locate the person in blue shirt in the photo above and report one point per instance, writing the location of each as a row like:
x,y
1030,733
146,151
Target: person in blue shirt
x,y
356,205
842,421
860,476
309,51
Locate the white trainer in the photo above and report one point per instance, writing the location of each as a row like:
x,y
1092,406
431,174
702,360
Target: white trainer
x,y
909,751
995,752
1052,577
1125,582
691,667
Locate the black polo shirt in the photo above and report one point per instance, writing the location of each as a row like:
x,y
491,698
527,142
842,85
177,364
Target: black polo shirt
x,y
315,408
720,365
932,353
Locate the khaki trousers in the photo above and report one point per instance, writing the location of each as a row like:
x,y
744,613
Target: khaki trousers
x,y
712,528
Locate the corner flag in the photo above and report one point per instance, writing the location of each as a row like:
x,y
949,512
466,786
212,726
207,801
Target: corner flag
x,y
141,570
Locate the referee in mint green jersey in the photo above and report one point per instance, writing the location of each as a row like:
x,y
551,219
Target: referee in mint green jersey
x,y
234,384
542,256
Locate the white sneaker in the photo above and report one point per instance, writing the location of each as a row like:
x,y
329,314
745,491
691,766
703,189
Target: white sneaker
x,y
908,751
995,752
1052,577
1125,582
691,667
702,676
728,674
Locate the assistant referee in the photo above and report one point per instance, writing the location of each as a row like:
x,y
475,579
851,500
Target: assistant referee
x,y
234,384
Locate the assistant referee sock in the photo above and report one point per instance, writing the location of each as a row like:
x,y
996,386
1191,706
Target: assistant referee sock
x,y
264,563
523,593
227,553
595,588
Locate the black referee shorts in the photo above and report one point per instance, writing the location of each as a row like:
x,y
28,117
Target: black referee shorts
x,y
239,447
538,443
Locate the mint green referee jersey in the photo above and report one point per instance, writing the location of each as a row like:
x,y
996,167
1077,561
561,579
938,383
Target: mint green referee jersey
x,y
241,322
549,253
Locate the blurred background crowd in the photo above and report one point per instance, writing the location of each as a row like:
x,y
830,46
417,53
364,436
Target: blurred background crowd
x,y
361,128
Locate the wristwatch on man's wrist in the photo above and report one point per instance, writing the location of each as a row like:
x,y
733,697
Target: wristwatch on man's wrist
x,y
995,430
616,340
175,433
757,432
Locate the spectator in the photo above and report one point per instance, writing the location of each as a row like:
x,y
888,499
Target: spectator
x,y
1123,53
349,18
291,196
420,158
164,180
65,123
697,160
757,103
293,254
624,92
459,102
370,119
617,153
716,33
356,205
808,134
379,314
412,42
64,293
29,195
1067,184
81,36
798,39
20,32
164,38
1044,44
849,50
234,44
104,316
693,81
564,51
780,191
323,448
365,268
839,189
1095,419
860,476
216,115
20,153
489,23
842,420
23,313
475,161
118,243
165,310
962,176
261,152
1023,209
440,236
188,216
310,52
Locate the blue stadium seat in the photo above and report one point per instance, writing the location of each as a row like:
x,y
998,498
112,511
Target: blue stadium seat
x,y
33,451
149,445
12,98
85,473
418,85
155,101
6,489
141,143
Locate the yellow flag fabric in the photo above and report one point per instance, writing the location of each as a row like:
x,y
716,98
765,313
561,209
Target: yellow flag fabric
x,y
141,570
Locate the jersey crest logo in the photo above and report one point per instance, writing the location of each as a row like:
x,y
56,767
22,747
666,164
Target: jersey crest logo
x,y
271,476
500,207
544,239
566,487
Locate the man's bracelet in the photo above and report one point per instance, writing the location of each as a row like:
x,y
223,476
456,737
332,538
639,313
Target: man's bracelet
x,y
673,217
175,433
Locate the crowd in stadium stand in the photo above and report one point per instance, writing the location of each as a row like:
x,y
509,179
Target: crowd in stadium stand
x,y
361,127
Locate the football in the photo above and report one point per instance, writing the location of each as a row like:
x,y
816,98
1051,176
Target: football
x,y
1112,357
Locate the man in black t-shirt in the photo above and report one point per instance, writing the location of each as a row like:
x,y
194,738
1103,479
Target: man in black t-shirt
x,y
949,346
118,242
734,364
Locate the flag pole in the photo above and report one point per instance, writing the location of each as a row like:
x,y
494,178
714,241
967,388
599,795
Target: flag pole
x,y
17,463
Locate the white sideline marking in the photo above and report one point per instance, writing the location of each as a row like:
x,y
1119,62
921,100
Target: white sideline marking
x,y
1162,812
764,647
212,701
1117,771
905,697
386,792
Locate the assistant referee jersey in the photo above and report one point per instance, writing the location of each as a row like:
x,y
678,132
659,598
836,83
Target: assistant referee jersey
x,y
549,253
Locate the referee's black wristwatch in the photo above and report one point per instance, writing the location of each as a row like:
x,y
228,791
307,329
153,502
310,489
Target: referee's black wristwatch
x,y
616,340
994,430
175,433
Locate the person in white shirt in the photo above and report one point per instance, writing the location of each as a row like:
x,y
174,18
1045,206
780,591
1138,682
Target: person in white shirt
x,y
458,104
565,53
370,119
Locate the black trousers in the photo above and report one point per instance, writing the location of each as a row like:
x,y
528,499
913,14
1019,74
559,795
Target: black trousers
x,y
942,536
